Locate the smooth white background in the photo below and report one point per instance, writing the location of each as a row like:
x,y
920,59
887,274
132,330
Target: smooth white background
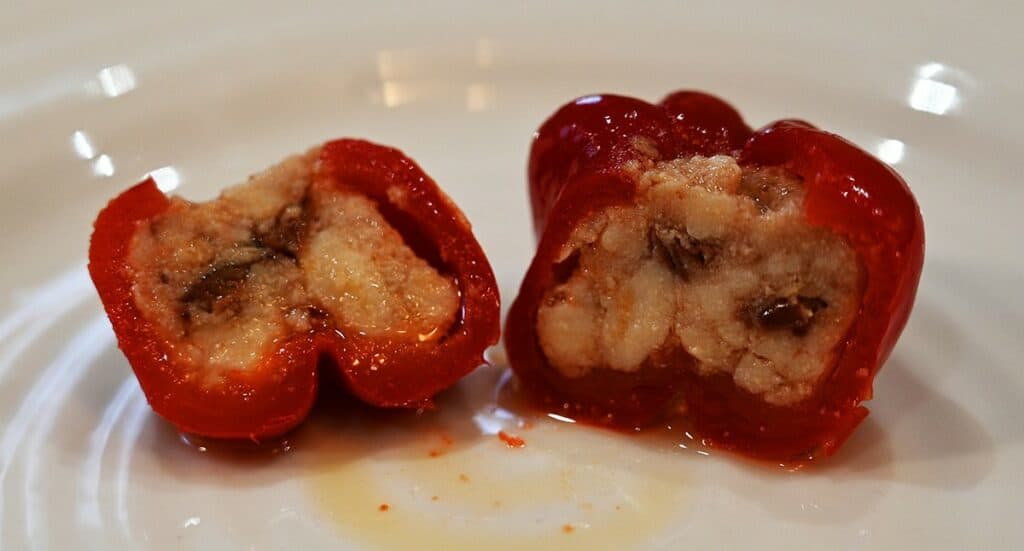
x,y
94,95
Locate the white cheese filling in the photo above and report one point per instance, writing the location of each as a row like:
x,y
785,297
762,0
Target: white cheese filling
x,y
715,259
227,279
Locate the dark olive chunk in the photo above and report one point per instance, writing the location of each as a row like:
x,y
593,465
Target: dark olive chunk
x,y
681,251
285,233
215,284
795,313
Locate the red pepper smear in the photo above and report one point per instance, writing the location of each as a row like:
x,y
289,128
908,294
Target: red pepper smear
x,y
576,170
511,440
276,394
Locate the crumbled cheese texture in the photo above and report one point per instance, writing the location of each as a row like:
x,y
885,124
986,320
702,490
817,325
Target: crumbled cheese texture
x,y
226,280
716,259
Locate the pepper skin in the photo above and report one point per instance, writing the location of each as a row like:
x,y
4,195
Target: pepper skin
x,y
278,392
576,169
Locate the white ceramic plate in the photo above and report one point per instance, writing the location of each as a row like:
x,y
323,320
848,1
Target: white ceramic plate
x,y
95,95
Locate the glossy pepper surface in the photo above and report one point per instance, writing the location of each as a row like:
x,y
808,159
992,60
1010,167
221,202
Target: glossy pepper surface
x,y
279,391
577,168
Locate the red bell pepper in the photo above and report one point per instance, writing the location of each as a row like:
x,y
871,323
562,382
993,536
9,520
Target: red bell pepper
x,y
277,393
577,167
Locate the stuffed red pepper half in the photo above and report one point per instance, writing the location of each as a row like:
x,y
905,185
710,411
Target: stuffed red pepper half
x,y
348,254
751,281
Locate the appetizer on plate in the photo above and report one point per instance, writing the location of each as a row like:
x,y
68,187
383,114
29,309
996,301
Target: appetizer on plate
x,y
753,281
349,253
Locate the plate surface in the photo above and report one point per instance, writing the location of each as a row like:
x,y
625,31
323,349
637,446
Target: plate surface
x,y
93,96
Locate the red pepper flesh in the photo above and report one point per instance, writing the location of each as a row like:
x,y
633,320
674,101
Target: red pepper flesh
x,y
577,168
277,394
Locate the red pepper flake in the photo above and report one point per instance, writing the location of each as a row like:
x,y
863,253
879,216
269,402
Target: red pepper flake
x,y
446,442
383,507
567,528
511,440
